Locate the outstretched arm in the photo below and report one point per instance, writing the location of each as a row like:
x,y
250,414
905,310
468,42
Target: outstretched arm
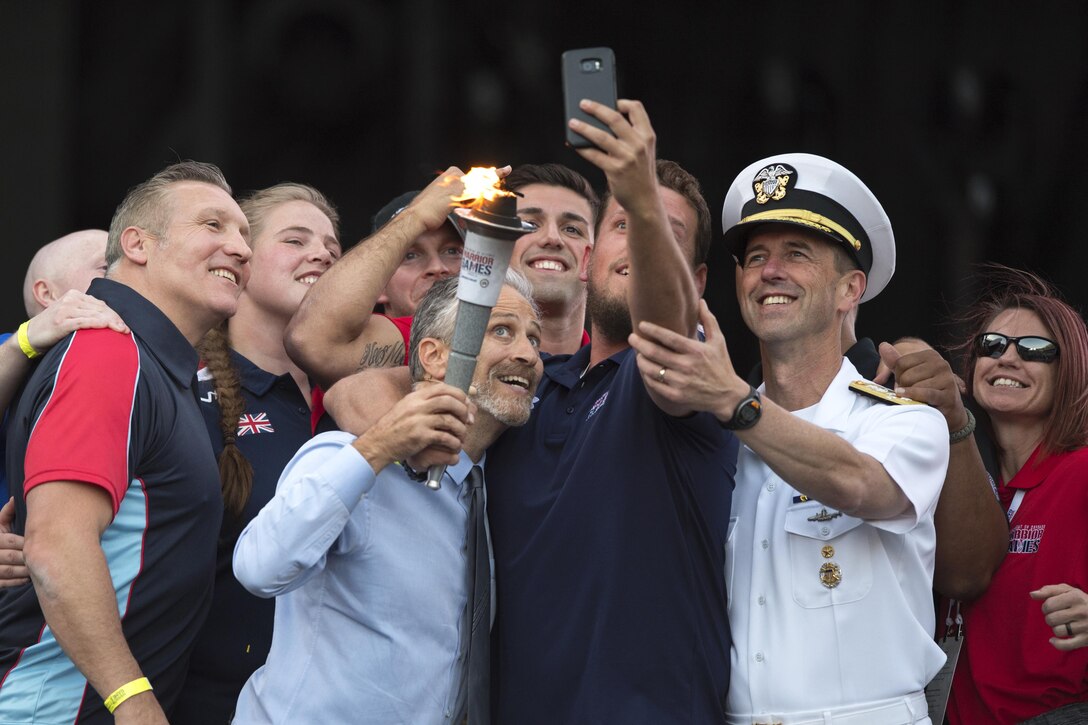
x,y
334,333
815,461
972,533
661,288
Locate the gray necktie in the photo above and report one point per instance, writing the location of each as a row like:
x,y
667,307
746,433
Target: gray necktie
x,y
479,587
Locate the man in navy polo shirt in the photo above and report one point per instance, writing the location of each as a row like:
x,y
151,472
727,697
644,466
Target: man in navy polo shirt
x,y
609,509
118,493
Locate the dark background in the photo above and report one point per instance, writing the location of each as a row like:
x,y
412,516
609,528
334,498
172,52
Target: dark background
x,y
965,118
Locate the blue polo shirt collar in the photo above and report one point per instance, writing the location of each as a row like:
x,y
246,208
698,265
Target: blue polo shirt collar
x,y
566,370
253,378
162,338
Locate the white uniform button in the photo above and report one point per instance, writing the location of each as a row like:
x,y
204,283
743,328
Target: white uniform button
x,y
759,656
770,486
762,600
765,544
824,530
448,714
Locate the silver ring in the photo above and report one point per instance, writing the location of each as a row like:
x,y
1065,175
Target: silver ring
x,y
661,375
1068,629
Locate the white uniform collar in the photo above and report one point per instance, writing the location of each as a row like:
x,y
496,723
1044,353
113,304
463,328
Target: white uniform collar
x,y
833,410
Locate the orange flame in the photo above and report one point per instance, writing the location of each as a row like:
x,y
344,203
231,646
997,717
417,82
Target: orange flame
x,y
481,185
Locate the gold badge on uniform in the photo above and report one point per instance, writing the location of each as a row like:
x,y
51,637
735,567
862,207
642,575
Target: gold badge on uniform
x,y
827,552
830,575
886,395
771,182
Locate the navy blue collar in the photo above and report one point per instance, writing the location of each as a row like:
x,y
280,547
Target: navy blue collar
x,y
162,339
255,379
566,370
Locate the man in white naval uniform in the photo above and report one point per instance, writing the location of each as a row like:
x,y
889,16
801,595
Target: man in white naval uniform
x,y
829,560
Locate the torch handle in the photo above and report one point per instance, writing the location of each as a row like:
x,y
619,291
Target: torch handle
x,y
468,336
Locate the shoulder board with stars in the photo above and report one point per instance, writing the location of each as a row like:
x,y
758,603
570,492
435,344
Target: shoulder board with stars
x,y
885,395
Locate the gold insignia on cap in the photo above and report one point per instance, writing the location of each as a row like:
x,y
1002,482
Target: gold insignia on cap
x,y
830,575
828,551
771,182
806,218
887,395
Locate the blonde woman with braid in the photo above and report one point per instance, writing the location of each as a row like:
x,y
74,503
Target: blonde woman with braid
x,y
257,405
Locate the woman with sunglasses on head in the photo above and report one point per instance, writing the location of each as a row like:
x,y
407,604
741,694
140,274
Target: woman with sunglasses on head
x,y
257,407
1027,366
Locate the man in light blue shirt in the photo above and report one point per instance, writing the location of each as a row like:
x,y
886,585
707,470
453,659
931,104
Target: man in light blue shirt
x,y
370,567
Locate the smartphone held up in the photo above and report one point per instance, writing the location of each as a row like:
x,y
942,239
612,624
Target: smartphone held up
x,y
587,73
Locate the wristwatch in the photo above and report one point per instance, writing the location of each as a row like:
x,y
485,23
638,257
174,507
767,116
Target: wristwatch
x,y
747,413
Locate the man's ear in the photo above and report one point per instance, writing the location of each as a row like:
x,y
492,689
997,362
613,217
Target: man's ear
x,y
434,356
134,244
583,268
853,286
700,279
42,294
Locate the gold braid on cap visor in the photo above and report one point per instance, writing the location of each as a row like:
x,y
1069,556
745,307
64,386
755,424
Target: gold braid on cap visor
x,y
808,219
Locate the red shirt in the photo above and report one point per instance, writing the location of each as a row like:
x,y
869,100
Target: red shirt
x,y
1008,670
404,324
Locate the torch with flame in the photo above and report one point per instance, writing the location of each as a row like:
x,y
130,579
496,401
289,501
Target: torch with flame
x,y
481,186
490,216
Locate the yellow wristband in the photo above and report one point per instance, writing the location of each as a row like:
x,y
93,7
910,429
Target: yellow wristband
x,y
126,691
24,341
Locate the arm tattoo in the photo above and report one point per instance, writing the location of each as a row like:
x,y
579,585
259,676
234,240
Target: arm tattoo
x,y
382,356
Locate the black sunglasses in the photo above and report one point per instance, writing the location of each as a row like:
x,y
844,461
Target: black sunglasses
x,y
1030,348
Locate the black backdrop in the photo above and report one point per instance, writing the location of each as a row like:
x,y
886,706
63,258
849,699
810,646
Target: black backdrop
x,y
967,121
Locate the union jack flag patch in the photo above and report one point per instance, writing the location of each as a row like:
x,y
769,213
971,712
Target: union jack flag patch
x,y
252,424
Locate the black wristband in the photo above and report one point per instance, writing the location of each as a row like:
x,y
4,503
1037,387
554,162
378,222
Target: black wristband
x,y
747,413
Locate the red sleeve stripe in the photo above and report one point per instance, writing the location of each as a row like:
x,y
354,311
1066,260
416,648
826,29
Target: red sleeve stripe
x,y
84,429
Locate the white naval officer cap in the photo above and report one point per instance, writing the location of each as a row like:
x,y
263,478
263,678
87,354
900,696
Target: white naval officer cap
x,y
818,194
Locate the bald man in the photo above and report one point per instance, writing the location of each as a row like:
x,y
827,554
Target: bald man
x,y
70,262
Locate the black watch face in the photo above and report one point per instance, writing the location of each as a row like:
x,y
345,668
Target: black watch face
x,y
748,413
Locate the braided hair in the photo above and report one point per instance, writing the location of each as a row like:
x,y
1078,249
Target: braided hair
x,y
235,470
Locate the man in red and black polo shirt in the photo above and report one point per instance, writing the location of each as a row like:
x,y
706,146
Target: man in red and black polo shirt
x,y
116,487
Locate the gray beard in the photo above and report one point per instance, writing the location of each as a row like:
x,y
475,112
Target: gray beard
x,y
505,411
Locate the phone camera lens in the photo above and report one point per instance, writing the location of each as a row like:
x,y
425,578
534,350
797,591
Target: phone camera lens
x,y
591,65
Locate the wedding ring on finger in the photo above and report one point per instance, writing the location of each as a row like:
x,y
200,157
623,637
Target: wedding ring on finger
x,y
1068,629
661,375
